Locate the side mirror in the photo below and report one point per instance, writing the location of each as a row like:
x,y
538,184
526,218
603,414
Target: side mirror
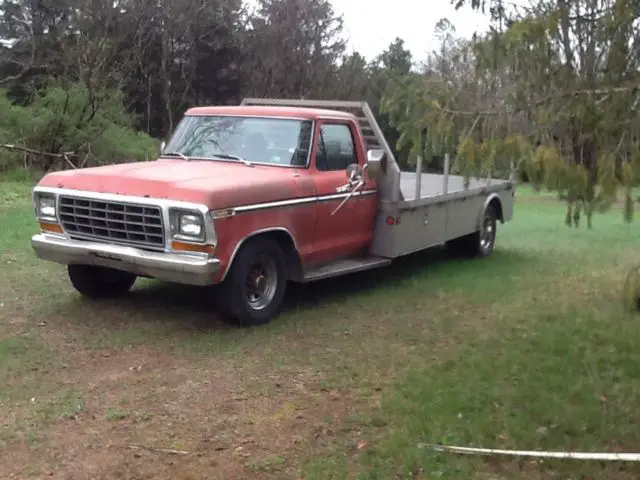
x,y
162,145
355,173
376,163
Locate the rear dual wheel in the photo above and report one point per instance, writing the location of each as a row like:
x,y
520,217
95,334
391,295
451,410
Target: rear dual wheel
x,y
485,238
480,243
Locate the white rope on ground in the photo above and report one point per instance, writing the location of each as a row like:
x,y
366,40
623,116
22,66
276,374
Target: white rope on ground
x,y
616,457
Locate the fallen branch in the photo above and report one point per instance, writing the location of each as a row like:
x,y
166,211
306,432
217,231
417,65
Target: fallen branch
x,y
69,162
63,155
615,457
170,451
18,148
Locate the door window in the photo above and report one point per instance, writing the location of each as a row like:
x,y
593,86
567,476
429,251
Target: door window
x,y
335,148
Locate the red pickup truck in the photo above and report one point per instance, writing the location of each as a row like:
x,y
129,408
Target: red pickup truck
x,y
250,197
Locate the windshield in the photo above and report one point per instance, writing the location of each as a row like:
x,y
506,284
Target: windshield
x,y
264,140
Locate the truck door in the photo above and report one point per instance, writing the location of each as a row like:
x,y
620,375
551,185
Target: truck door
x,y
350,229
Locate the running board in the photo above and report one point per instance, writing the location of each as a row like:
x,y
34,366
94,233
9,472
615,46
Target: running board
x,y
343,267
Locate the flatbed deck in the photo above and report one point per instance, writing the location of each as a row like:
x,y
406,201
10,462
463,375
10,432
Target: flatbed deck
x,y
432,185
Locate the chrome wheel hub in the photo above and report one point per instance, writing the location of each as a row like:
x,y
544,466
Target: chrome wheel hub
x,y
262,282
487,233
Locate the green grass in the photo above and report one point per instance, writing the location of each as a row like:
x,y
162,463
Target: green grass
x,y
115,415
66,404
554,382
24,359
267,464
527,349
558,371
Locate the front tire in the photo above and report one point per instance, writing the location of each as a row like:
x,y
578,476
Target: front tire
x,y
100,283
253,292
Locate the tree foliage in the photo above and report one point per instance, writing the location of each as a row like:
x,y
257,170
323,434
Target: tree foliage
x,y
554,91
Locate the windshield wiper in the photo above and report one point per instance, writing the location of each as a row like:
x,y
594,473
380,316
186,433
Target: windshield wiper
x,y
233,157
176,154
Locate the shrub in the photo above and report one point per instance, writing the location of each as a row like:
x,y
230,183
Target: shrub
x,y
94,126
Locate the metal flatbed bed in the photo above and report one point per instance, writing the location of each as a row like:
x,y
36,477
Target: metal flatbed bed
x,y
433,185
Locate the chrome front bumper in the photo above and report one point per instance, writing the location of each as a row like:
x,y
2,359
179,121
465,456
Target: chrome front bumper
x,y
171,267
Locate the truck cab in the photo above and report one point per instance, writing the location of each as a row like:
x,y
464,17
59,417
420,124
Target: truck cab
x,y
247,198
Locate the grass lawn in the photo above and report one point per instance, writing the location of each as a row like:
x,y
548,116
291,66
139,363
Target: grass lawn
x,y
527,349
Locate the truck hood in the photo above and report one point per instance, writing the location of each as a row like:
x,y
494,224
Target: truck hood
x,y
213,183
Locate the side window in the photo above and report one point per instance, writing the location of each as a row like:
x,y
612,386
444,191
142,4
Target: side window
x,y
335,149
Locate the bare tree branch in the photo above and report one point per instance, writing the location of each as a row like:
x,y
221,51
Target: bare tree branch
x,y
26,67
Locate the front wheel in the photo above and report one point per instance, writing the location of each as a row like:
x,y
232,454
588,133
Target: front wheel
x,y
99,283
253,292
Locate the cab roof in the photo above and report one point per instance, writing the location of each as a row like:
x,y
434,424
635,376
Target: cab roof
x,y
271,111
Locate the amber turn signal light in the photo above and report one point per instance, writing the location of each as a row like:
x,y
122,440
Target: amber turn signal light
x,y
192,247
50,227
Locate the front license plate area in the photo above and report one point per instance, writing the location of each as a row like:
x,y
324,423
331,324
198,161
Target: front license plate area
x,y
107,256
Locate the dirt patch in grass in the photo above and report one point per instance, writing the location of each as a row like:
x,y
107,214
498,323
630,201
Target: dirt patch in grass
x,y
108,403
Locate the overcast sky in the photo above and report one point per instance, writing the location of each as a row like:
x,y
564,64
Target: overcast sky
x,y
372,25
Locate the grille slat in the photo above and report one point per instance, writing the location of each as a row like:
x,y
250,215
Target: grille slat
x,y
117,222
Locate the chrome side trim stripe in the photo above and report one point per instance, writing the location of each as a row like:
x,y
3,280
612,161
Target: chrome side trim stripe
x,y
300,201
167,203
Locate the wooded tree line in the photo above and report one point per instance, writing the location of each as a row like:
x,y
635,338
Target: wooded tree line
x,y
550,91
91,81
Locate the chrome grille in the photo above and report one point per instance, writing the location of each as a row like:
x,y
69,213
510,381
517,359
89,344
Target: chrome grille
x,y
114,222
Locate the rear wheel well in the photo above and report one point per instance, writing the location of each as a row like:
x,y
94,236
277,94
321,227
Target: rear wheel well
x,y
496,204
285,241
